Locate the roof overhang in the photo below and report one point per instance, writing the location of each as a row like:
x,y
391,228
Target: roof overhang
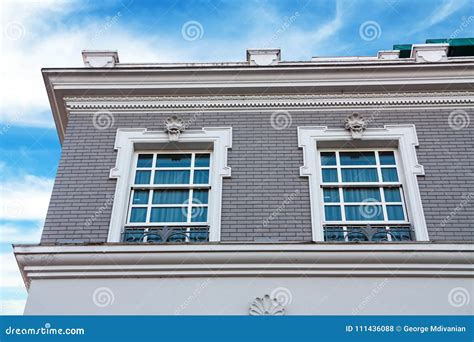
x,y
244,80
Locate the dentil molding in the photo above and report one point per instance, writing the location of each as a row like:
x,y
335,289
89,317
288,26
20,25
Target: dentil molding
x,y
265,101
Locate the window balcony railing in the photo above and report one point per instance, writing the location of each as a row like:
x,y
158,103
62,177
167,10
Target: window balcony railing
x,y
370,233
194,234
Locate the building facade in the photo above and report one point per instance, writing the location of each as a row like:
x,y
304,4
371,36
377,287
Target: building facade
x,y
331,186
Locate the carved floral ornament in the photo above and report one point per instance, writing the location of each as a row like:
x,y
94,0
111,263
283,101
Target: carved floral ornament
x,y
174,126
356,124
266,306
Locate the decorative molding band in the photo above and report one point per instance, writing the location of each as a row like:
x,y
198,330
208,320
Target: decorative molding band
x,y
272,101
231,260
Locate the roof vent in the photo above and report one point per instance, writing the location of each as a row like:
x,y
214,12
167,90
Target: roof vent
x,y
388,54
100,58
429,53
263,56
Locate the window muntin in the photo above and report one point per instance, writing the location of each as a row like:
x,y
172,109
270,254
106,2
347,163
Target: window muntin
x,y
360,188
170,189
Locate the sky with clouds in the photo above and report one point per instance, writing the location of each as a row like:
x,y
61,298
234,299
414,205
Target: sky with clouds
x,y
49,33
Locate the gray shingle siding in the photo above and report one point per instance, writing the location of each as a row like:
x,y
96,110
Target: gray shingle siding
x,y
265,174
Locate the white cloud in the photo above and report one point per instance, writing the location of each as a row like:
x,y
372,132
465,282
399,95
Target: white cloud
x,y
12,307
10,275
16,233
440,13
25,199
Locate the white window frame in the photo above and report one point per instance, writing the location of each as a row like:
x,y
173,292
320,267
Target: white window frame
x,y
190,187
407,166
126,142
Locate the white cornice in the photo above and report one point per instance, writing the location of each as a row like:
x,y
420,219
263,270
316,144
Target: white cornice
x,y
223,260
264,101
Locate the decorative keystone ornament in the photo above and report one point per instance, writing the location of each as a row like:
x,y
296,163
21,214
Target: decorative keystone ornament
x,y
266,306
174,126
356,124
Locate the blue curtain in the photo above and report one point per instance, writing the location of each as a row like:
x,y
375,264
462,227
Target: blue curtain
x,y
363,212
331,195
361,194
168,214
202,160
329,175
145,160
170,196
395,212
357,158
142,177
387,158
392,195
389,174
201,196
138,215
140,197
173,160
199,214
201,177
172,177
332,212
359,175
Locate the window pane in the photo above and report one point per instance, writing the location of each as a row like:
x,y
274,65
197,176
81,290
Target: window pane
x,y
201,177
202,160
199,214
329,175
359,175
366,212
145,160
357,158
172,177
395,212
140,197
328,158
392,195
168,215
138,215
170,196
361,194
331,195
332,212
173,160
201,196
142,177
389,174
387,158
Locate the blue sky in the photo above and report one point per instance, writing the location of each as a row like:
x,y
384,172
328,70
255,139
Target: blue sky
x,y
52,34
